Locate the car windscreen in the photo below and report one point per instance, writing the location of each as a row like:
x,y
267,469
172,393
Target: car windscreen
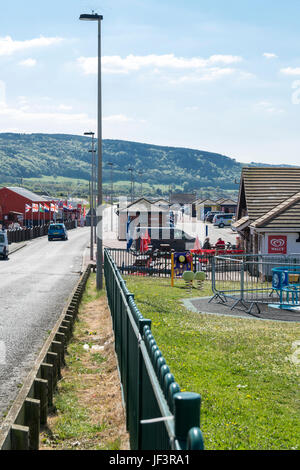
x,y
55,227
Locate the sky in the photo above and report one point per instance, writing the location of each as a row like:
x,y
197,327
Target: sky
x,y
213,75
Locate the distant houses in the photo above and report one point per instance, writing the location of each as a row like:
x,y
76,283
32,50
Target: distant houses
x,y
150,214
268,213
21,206
203,206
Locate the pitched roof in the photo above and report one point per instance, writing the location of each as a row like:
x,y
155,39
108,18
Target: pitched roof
x,y
243,221
229,202
286,214
268,187
26,193
182,198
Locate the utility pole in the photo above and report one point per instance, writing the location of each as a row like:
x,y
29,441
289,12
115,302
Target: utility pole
x,y
92,134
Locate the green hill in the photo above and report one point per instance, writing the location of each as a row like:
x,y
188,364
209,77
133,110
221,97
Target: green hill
x,y
49,157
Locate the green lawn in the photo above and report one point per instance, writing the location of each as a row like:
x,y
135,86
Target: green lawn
x,y
241,368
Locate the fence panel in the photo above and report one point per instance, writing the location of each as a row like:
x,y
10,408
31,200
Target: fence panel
x,y
157,415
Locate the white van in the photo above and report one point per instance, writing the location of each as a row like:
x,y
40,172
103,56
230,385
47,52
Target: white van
x,y
3,244
222,220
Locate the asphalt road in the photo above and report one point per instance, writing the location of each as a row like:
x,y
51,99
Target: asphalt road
x,y
35,283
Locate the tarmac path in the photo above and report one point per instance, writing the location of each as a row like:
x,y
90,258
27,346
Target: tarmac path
x,y
35,283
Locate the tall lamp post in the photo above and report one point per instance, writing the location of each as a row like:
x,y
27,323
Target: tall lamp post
x,y
99,257
92,194
111,194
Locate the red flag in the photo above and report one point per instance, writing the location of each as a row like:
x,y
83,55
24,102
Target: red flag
x,y
144,245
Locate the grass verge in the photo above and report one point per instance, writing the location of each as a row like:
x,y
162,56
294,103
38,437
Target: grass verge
x,y
241,368
88,405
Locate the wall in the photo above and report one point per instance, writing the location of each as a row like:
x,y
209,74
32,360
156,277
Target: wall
x,y
292,245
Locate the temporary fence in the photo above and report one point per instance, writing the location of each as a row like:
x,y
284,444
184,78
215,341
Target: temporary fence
x,y
248,279
158,415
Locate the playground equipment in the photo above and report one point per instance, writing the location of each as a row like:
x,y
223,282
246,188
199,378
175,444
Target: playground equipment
x,y
180,263
188,277
286,282
200,278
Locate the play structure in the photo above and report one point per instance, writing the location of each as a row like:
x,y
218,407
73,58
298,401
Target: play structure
x,y
286,283
182,268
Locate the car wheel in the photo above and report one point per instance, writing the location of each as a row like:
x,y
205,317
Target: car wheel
x,y
221,225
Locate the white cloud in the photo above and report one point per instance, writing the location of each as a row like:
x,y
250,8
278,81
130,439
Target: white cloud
x,y
28,62
291,71
270,55
132,63
8,46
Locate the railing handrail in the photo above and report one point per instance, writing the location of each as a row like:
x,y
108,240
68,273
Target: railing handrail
x,y
180,411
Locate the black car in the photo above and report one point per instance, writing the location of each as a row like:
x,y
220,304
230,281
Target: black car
x,y
164,238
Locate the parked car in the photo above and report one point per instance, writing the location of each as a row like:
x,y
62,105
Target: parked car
x,y
210,215
57,231
222,220
3,244
174,238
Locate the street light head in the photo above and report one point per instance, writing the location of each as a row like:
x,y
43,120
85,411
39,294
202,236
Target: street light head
x,y
89,133
89,17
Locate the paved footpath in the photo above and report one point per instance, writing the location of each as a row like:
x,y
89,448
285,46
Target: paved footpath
x,y
36,282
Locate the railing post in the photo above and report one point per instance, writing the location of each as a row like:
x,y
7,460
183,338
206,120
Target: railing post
x,y
142,323
186,415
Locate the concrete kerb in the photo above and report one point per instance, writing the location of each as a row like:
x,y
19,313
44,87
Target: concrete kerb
x,y
20,428
17,248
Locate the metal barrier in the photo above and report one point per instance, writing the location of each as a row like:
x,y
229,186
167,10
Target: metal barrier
x,y
158,415
247,279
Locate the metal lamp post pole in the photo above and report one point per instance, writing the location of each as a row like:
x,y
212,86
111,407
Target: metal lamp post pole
x,y
92,196
99,257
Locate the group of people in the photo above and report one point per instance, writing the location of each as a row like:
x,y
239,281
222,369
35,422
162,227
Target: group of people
x,y
219,245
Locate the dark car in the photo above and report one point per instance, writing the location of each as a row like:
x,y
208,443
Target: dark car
x,y
164,238
57,231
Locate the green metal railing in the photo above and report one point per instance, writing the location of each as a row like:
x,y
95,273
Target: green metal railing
x,y
158,415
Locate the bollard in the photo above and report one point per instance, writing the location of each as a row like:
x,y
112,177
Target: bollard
x,y
57,347
32,420
41,394
19,437
52,358
47,374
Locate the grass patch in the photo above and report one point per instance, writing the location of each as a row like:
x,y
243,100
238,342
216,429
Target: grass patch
x,y
241,368
88,417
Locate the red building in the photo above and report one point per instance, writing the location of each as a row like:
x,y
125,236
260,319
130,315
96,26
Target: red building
x,y
13,202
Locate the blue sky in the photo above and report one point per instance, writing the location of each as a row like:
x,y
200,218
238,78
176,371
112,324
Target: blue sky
x,y
221,76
